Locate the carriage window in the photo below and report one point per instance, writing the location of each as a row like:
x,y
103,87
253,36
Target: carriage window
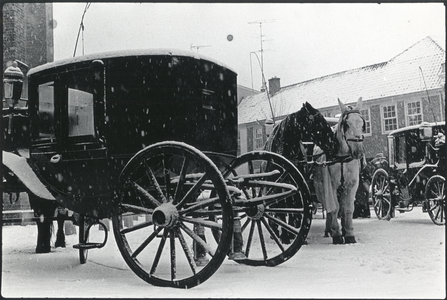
x,y
46,110
80,113
401,151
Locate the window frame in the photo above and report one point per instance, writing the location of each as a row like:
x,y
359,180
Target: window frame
x,y
383,118
407,114
367,121
258,138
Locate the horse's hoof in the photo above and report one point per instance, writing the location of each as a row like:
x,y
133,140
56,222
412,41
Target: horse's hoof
x,y
59,244
327,234
337,240
350,240
43,249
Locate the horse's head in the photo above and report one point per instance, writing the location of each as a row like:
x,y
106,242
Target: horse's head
x,y
306,125
318,129
350,129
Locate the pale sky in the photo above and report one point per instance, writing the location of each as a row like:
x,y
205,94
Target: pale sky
x,y
301,41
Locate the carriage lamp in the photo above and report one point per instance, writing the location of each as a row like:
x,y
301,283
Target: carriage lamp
x,y
12,84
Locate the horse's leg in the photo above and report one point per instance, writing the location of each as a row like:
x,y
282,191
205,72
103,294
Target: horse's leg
x,y
44,210
327,230
60,236
347,209
334,227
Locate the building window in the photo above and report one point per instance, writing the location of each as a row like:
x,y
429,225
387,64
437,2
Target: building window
x,y
414,113
259,142
389,117
365,115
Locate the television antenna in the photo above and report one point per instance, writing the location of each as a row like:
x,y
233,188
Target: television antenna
x,y
197,47
260,22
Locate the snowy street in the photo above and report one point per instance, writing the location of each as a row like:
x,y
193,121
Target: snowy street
x,y
401,258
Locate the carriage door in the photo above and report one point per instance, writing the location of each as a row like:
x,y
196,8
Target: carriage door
x,y
74,108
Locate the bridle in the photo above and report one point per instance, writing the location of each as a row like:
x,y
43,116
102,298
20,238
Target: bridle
x,y
344,126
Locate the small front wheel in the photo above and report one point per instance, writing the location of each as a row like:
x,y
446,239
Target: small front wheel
x,y
83,239
172,198
381,194
435,197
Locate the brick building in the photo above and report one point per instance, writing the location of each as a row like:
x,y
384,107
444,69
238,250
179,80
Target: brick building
x,y
28,38
406,90
27,35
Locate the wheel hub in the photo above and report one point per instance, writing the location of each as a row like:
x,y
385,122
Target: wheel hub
x,y
166,215
256,212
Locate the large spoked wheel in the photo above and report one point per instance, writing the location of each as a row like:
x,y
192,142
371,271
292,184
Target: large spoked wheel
x,y
381,195
166,213
273,207
435,196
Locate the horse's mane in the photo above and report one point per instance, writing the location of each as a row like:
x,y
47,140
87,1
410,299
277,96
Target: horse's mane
x,y
286,136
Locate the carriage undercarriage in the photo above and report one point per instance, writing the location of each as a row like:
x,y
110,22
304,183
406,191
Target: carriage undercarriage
x,y
178,216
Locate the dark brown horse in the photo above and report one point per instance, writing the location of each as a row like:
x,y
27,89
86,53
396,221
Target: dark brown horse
x,y
305,125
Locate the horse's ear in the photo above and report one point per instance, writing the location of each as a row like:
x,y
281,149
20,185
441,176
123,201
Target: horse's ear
x,y
343,107
359,104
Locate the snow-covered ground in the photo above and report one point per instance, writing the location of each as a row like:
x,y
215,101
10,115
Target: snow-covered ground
x,y
402,258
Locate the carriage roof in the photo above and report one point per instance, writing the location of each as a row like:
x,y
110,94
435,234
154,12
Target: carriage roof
x,y
414,127
124,53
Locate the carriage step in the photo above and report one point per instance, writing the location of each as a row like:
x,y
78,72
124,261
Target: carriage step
x,y
88,246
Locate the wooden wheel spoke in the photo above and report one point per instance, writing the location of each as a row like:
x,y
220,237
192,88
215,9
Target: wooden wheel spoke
x,y
159,251
200,204
189,255
261,239
285,210
145,194
181,181
272,234
203,222
250,238
197,238
173,254
136,227
154,182
244,226
283,224
137,209
192,192
146,242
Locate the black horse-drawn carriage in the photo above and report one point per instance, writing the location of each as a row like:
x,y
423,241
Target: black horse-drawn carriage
x,y
415,173
116,135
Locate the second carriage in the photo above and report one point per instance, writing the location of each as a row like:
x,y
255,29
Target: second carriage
x,y
116,135
415,173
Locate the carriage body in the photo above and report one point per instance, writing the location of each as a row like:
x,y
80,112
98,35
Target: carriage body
x,y
416,172
89,115
148,138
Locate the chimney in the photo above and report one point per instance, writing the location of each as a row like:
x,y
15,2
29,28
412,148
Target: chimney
x,y
274,85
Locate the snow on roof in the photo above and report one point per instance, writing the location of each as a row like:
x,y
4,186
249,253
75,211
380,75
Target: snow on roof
x,y
400,75
124,53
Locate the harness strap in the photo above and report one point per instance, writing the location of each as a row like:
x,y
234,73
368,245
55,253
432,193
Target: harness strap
x,y
341,188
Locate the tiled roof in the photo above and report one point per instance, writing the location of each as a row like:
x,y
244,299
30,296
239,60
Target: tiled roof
x,y
400,75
